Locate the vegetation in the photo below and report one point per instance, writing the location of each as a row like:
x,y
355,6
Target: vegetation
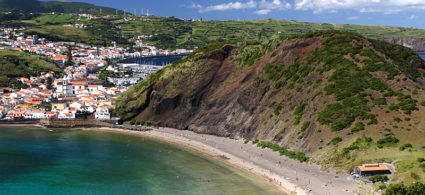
x,y
378,178
401,188
360,143
358,127
405,146
171,32
299,112
20,64
305,126
282,150
34,6
188,34
388,141
335,141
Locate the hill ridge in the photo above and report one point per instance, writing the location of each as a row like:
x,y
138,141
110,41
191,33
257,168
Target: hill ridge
x,y
54,6
310,93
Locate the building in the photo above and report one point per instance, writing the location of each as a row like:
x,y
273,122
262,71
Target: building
x,y
58,106
102,113
372,169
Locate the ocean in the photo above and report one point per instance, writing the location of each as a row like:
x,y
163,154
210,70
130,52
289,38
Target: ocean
x,y
70,161
158,61
422,55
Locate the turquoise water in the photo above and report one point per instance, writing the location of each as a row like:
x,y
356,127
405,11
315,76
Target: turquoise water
x,y
37,161
422,55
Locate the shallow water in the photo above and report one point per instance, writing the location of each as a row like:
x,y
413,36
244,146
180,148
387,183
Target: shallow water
x,y
38,161
422,55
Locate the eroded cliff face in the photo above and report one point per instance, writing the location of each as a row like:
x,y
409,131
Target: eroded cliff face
x,y
416,44
299,92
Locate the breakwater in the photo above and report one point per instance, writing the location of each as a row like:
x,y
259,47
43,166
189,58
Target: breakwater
x,y
86,123
159,60
25,121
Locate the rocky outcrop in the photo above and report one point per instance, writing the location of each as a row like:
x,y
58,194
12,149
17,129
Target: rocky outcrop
x,y
416,44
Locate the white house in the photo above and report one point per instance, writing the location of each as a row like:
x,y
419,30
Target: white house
x,y
102,112
66,115
38,114
76,105
28,115
2,112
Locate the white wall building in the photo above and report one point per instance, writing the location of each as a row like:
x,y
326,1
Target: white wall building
x,y
102,113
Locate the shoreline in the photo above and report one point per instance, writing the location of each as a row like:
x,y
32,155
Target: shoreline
x,y
203,149
286,175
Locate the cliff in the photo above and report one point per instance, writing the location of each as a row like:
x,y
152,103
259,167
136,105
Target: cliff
x,y
416,44
333,95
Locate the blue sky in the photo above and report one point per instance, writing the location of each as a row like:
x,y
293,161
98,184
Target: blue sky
x,y
406,13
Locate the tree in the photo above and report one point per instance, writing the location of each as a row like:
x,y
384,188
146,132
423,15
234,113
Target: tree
x,y
49,83
416,188
396,189
69,55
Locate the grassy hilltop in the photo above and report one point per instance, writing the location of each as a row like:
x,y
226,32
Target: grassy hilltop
x,y
19,64
173,33
35,6
338,97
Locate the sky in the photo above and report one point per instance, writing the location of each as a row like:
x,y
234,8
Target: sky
x,y
405,13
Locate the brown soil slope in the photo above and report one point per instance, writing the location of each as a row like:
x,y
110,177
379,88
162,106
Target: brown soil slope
x,y
304,93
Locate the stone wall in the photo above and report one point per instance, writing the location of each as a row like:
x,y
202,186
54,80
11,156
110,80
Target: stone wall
x,y
67,123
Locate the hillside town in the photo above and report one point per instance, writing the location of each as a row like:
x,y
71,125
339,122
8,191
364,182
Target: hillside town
x,y
80,90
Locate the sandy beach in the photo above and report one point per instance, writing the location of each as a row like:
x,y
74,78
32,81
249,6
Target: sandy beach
x,y
286,174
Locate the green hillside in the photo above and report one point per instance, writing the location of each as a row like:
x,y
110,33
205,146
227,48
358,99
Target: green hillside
x,y
338,97
20,64
177,33
54,6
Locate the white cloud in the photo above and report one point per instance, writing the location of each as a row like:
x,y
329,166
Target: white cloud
x,y
412,17
353,18
383,6
275,4
228,6
264,6
263,11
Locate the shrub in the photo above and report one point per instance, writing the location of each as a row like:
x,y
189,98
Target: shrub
x,y
378,178
335,141
396,189
388,141
421,159
380,101
360,143
407,104
396,119
305,126
301,136
258,80
405,146
299,112
245,140
277,110
283,151
357,127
